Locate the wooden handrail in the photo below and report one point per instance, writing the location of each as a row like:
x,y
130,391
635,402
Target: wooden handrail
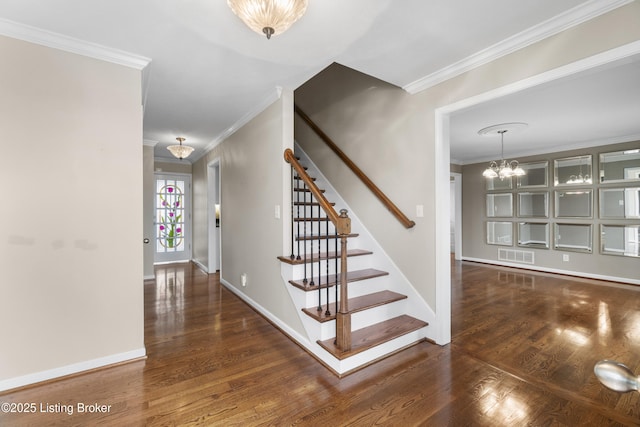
x,y
356,170
342,223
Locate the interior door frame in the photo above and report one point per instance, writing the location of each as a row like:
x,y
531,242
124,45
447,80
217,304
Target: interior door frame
x,y
442,166
214,262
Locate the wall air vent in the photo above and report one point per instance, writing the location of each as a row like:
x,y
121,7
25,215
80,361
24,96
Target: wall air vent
x,y
513,255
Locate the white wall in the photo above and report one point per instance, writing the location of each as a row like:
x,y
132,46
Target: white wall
x,y
71,247
590,264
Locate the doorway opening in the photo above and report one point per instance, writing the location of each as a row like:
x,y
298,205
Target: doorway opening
x,y
213,214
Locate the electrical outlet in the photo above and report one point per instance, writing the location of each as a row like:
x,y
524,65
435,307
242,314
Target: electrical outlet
x,y
243,279
565,257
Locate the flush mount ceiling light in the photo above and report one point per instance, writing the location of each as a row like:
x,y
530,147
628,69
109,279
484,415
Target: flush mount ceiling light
x,y
180,151
504,168
269,17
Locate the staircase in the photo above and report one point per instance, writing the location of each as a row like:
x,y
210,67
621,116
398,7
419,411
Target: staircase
x,y
384,313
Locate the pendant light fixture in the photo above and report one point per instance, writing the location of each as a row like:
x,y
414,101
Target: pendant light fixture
x,y
268,17
504,168
180,151
580,179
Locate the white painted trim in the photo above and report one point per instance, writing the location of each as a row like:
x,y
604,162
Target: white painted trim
x,y
555,270
47,38
603,58
259,108
201,266
555,25
565,147
181,261
458,214
214,234
174,160
293,334
442,150
442,234
150,277
149,142
71,369
287,142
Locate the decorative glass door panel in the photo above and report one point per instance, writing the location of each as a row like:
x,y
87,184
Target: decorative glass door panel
x,y
172,218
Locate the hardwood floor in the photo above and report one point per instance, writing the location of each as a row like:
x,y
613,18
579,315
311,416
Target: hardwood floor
x,y
524,345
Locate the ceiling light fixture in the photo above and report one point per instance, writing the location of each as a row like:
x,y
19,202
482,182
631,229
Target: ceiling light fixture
x,y
180,151
504,168
580,179
269,17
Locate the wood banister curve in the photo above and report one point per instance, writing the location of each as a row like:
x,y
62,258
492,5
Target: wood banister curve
x,y
395,211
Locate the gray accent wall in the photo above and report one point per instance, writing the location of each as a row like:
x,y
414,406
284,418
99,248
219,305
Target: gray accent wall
x,y
474,219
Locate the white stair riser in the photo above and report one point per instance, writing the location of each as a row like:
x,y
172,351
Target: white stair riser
x,y
395,281
379,351
374,315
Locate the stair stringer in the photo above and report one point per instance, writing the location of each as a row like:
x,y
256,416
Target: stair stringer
x,y
396,281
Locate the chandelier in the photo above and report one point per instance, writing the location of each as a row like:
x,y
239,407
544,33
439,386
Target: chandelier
x,y
580,179
268,17
180,151
503,168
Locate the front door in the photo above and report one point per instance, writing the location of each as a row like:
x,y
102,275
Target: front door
x,y
172,218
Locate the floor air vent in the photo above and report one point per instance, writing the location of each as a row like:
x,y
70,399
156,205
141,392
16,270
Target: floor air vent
x,y
513,255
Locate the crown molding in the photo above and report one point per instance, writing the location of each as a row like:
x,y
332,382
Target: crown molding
x,y
174,160
69,44
149,142
564,147
555,25
257,109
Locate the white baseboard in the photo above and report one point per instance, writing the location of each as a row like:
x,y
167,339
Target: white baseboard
x,y
555,270
295,335
75,368
200,265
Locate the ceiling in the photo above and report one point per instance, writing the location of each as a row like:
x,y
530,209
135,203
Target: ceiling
x,y
209,72
595,107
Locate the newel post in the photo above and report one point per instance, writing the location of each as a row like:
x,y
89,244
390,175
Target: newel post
x,y
343,317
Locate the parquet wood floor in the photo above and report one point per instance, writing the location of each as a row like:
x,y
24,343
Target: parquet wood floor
x,y
523,349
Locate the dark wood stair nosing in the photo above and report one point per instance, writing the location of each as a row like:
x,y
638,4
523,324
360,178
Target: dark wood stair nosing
x,y
374,335
314,204
324,236
306,190
305,219
352,276
323,256
356,304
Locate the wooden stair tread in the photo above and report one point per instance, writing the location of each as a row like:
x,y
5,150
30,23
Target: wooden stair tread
x,y
301,219
356,304
323,237
352,276
371,336
305,190
323,256
310,203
